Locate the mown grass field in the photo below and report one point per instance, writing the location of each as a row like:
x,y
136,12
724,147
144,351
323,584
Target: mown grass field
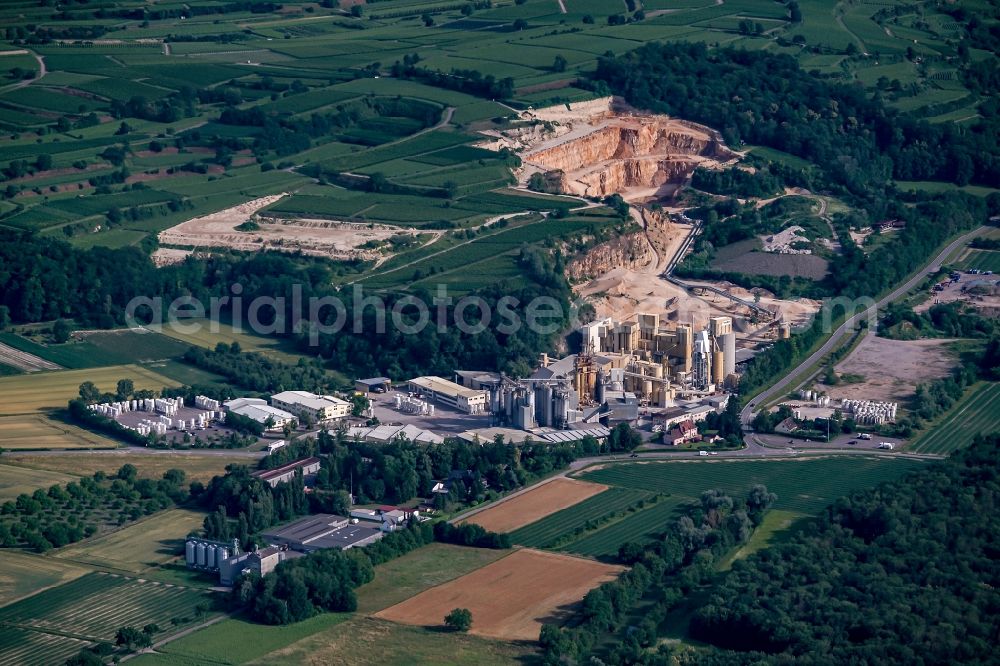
x,y
17,480
47,391
147,543
983,260
196,467
208,334
90,608
23,574
23,432
804,486
978,412
406,576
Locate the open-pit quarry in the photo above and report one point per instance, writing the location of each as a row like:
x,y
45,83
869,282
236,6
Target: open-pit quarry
x,y
322,238
604,147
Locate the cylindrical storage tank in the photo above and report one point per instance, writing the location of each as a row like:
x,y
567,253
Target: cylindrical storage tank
x,y
189,552
718,367
199,554
221,555
210,557
729,352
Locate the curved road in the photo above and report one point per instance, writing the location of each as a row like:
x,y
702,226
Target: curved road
x,y
746,416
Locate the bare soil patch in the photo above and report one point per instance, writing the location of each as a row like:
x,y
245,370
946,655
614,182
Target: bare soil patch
x,y
743,257
323,238
893,368
535,504
511,598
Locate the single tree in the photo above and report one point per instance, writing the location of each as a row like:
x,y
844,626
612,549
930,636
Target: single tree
x,y
459,619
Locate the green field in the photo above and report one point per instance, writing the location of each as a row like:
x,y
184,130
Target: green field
x,y
983,260
208,334
346,639
47,391
423,568
24,574
803,486
571,520
147,543
25,432
17,480
197,467
91,608
978,412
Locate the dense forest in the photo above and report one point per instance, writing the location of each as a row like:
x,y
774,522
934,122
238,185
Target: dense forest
x,y
772,101
44,279
905,573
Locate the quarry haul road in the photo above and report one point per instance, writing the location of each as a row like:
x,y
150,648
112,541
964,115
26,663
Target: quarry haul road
x,y
746,416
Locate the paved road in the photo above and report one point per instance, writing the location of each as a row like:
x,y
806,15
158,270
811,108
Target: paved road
x,y
834,340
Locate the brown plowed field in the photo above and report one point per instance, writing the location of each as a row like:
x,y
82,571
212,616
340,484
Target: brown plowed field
x,y
535,504
511,598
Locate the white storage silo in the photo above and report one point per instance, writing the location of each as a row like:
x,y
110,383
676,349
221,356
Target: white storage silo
x,y
199,553
189,552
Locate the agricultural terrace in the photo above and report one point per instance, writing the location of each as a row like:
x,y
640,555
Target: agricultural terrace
x,y
147,543
135,126
38,392
975,414
511,598
535,504
33,431
91,608
803,486
469,261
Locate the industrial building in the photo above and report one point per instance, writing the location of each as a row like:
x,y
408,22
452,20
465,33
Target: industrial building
x,y
272,477
389,433
470,401
229,561
659,363
318,408
258,410
373,385
322,531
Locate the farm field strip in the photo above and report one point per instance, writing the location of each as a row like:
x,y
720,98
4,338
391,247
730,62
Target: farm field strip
x,y
17,480
26,432
150,541
24,647
510,598
52,390
550,529
559,493
978,412
96,605
23,574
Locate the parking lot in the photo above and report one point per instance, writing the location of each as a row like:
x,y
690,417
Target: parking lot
x,y
445,421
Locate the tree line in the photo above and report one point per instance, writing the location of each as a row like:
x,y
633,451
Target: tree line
x,y
661,574
900,574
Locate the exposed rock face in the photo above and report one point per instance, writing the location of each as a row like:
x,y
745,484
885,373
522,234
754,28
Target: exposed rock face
x,y
611,149
627,251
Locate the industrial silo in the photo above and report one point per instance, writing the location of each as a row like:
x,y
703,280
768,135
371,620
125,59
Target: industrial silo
x,y
210,556
718,367
199,554
189,553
